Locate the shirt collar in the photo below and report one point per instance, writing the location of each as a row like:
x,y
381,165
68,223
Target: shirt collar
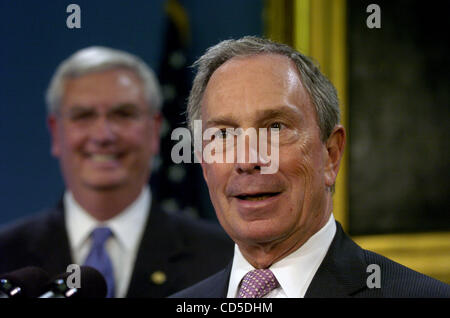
x,y
127,226
294,272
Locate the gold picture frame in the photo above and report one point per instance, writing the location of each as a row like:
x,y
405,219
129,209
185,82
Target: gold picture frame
x,y
296,22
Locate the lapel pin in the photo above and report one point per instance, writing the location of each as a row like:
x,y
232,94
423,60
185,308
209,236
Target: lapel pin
x,y
158,277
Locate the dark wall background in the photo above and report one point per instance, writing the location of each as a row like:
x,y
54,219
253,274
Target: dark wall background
x,y
399,118
34,40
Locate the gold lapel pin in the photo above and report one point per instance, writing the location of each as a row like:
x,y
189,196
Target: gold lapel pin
x,y
158,277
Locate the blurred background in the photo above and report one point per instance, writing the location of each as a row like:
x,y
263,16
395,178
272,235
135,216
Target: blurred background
x,y
393,83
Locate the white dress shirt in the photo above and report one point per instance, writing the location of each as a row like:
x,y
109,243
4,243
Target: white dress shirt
x,y
294,272
127,228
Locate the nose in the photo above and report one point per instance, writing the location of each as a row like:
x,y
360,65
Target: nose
x,y
102,132
249,159
247,168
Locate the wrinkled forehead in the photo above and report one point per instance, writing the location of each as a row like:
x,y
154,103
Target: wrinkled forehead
x,y
244,86
276,66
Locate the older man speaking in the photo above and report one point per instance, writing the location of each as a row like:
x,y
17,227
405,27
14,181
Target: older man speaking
x,y
287,241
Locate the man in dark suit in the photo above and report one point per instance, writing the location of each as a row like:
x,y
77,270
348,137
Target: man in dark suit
x,y
288,243
104,119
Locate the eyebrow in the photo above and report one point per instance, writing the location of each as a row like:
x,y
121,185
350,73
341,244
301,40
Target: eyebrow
x,y
282,112
121,106
78,108
222,121
81,108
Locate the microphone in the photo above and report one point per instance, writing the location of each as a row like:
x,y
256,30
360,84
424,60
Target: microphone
x,y
26,282
92,285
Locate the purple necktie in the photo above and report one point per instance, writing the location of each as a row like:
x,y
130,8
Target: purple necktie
x,y
99,258
257,283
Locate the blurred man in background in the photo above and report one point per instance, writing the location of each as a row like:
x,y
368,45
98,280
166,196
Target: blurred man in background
x,y
104,120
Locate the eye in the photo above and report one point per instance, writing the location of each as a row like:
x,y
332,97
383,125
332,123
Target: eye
x,y
125,113
221,133
276,125
83,115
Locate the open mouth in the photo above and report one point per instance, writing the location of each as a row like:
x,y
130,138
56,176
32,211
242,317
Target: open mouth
x,y
257,196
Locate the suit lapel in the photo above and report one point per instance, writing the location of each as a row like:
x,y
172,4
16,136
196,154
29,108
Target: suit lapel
x,y
219,285
343,270
151,275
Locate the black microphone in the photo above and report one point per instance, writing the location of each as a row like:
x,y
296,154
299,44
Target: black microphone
x,y
92,285
26,282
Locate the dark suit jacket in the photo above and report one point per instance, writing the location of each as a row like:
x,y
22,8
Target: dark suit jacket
x,y
343,273
185,250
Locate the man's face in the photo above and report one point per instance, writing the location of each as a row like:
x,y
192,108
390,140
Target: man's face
x,y
265,91
104,134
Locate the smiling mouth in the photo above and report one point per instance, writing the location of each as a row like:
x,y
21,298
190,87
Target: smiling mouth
x,y
103,158
257,197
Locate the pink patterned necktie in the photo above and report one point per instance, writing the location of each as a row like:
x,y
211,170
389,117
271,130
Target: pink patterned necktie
x,y
257,283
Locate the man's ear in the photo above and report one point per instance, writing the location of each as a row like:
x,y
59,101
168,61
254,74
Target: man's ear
x,y
335,149
52,124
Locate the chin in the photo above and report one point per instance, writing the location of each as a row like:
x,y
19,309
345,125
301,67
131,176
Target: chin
x,y
105,184
260,232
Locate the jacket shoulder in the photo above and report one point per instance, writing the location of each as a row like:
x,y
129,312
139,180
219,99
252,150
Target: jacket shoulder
x,y
397,280
200,232
348,270
18,239
18,231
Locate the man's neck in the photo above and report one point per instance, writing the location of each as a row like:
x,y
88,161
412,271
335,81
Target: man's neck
x,y
263,255
107,203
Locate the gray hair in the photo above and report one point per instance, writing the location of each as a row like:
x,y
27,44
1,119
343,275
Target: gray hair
x,y
322,93
97,59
